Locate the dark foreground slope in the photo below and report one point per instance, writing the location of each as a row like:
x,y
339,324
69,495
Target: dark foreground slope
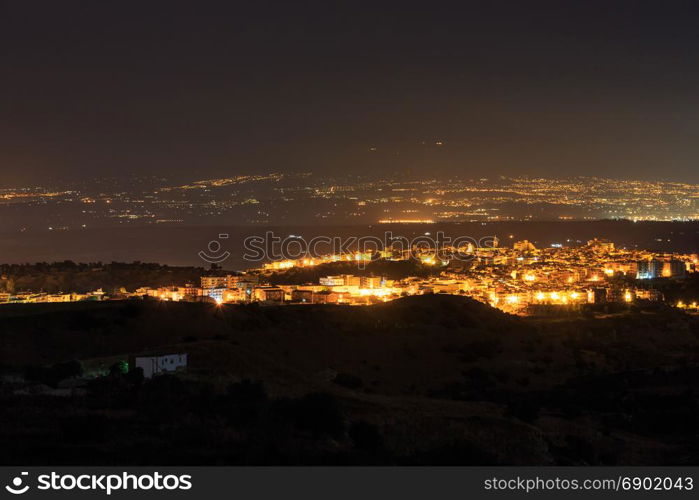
x,y
422,380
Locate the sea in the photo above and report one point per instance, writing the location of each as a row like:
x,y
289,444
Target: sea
x,y
200,245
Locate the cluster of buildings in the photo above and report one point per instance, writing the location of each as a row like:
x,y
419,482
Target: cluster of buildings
x,y
252,287
522,279
43,297
276,198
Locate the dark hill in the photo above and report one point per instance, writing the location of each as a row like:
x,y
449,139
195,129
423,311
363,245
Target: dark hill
x,y
389,269
433,379
445,310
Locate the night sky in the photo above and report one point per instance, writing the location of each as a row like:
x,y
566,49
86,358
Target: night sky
x,y
202,89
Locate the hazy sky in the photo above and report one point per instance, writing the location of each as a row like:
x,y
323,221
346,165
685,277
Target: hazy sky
x,y
199,89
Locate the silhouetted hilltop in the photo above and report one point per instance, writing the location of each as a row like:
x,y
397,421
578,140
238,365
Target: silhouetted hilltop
x,y
389,269
68,276
445,310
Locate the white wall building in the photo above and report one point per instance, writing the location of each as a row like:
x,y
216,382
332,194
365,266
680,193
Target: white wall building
x,y
153,365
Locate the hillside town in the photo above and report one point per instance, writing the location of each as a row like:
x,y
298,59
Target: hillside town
x,y
521,279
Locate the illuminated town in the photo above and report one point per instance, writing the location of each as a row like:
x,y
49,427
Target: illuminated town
x,y
391,235
521,279
289,198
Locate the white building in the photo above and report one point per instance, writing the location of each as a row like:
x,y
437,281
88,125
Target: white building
x,y
332,281
153,365
214,282
215,293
